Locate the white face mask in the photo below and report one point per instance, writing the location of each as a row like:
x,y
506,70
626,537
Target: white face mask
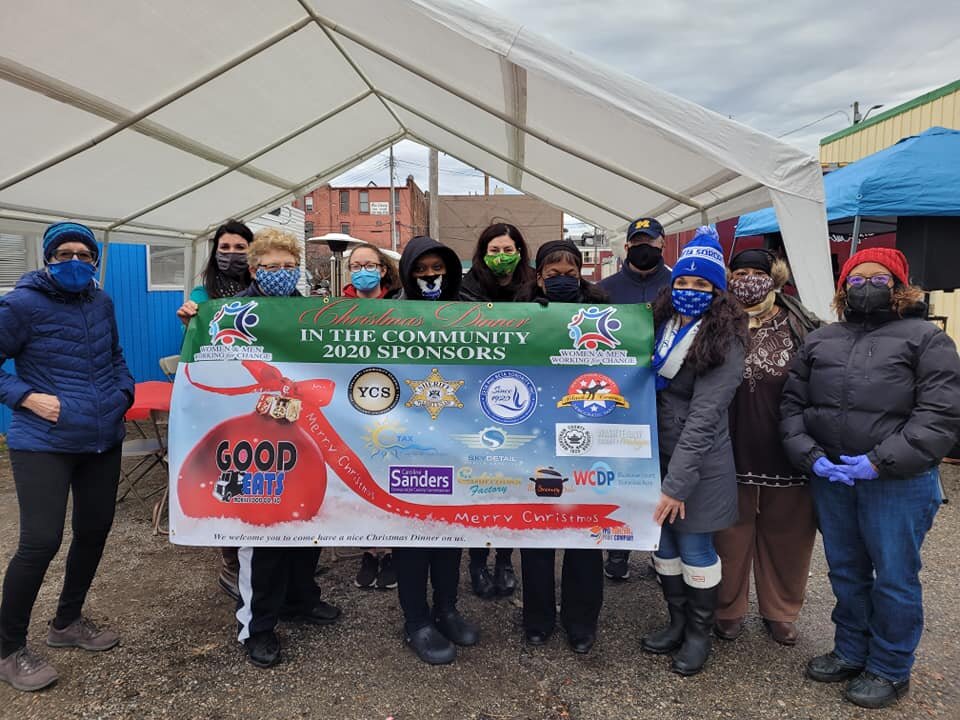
x,y
430,286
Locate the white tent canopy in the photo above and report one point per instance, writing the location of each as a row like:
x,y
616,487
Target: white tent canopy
x,y
161,119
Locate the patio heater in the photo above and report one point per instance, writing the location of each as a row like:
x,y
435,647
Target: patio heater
x,y
337,248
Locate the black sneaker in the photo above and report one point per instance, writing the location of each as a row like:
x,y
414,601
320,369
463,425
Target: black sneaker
x,y
872,691
263,649
387,577
830,668
617,566
367,575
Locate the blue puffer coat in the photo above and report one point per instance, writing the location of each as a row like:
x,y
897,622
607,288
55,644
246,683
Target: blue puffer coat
x,y
63,344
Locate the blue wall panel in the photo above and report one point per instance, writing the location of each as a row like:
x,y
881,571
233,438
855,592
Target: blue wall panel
x,y
149,328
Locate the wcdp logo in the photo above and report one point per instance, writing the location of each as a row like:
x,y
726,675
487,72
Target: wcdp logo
x,y
600,477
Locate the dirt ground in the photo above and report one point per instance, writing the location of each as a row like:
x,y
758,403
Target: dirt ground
x,y
179,657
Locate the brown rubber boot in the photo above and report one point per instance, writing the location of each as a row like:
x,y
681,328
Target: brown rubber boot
x,y
229,572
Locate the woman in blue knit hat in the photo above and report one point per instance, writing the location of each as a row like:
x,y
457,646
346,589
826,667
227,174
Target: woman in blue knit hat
x,y
701,337
68,397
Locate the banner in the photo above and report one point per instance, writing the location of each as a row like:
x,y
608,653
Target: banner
x,y
303,421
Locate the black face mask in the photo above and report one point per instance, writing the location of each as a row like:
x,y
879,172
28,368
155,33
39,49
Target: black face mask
x,y
233,264
644,256
868,299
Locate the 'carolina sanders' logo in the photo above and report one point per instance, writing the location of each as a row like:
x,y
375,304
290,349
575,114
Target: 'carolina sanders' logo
x,y
233,322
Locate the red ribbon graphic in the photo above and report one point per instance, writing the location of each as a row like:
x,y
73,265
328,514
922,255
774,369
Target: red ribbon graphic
x,y
316,394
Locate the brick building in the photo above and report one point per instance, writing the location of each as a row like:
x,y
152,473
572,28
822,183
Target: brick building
x,y
364,212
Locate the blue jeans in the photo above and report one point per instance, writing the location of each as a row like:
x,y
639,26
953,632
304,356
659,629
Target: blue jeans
x,y
693,549
872,534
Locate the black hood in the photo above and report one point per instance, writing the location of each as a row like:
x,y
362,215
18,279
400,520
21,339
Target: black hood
x,y
421,246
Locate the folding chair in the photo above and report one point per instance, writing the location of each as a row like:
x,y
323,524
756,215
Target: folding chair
x,y
168,365
151,400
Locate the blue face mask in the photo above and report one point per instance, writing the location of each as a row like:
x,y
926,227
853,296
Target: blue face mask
x,y
279,283
562,288
692,303
72,275
365,280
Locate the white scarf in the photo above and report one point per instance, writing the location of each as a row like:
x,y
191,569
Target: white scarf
x,y
675,350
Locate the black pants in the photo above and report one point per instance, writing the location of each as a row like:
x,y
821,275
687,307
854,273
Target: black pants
x,y
478,556
412,566
581,590
43,481
273,581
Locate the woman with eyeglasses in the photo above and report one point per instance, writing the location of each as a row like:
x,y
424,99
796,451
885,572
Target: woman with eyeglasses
x,y
870,407
226,274
68,397
500,268
275,581
373,276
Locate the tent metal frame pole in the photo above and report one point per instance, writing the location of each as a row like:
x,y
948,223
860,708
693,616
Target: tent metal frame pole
x,y
159,105
290,187
48,219
499,156
542,137
318,179
718,201
855,234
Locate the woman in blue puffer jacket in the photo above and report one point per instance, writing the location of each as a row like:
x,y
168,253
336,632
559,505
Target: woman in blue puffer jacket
x,y
68,397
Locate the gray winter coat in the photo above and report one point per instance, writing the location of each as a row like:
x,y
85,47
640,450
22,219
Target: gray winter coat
x,y
696,456
888,389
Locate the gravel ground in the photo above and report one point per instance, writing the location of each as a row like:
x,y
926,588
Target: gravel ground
x,y
179,658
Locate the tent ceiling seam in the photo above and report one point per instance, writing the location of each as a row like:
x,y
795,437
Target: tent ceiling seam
x,y
149,110
350,61
250,158
542,137
515,101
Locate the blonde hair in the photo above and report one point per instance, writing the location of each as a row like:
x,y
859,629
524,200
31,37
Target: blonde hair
x,y
271,239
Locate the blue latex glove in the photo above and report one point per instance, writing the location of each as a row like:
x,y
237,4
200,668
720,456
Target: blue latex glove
x,y
826,469
857,467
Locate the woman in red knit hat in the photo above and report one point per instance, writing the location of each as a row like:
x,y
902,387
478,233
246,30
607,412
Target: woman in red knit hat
x,y
871,406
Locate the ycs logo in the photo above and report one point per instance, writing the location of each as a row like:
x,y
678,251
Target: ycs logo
x,y
253,473
233,324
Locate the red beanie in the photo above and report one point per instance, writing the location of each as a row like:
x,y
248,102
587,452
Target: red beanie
x,y
892,260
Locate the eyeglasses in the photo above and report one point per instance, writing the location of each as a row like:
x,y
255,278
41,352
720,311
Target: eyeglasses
x,y
354,267
68,255
273,267
875,280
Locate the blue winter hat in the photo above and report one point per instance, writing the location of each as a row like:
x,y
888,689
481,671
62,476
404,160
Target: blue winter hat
x,y
63,232
703,257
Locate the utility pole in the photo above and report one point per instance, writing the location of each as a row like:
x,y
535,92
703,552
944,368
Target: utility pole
x,y
434,194
856,111
393,207
486,184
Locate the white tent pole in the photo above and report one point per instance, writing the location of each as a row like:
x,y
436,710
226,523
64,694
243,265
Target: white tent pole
x,y
14,73
103,257
855,235
542,137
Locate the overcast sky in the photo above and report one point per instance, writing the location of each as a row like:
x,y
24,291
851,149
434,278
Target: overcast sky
x,y
775,66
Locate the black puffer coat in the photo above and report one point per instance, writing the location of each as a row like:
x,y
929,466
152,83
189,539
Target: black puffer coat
x,y
885,387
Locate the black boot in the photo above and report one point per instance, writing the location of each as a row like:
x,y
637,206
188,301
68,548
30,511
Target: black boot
x,y
504,578
693,654
455,627
669,638
481,582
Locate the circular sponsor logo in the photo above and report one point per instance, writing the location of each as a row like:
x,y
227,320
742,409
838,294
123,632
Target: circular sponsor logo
x,y
575,439
508,397
374,391
593,395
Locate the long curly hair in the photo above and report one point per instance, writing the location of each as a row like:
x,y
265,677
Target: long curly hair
x,y
724,324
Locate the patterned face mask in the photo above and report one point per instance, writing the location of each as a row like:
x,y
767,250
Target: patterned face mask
x,y
502,263
279,283
692,303
430,286
751,290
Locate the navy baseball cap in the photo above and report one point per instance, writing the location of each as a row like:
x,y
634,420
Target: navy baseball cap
x,y
645,226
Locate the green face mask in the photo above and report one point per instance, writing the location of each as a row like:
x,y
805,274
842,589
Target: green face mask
x,y
502,263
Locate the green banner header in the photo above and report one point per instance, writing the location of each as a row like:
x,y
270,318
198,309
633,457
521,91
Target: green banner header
x,y
349,330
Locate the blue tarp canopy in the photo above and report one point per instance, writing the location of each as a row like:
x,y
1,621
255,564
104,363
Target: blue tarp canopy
x,y
920,175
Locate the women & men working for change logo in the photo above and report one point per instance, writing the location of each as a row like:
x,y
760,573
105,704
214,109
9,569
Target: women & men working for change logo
x,y
593,331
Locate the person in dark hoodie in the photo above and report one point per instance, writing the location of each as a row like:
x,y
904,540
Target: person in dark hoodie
x,y
640,279
68,396
501,267
276,582
870,407
558,279
431,271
